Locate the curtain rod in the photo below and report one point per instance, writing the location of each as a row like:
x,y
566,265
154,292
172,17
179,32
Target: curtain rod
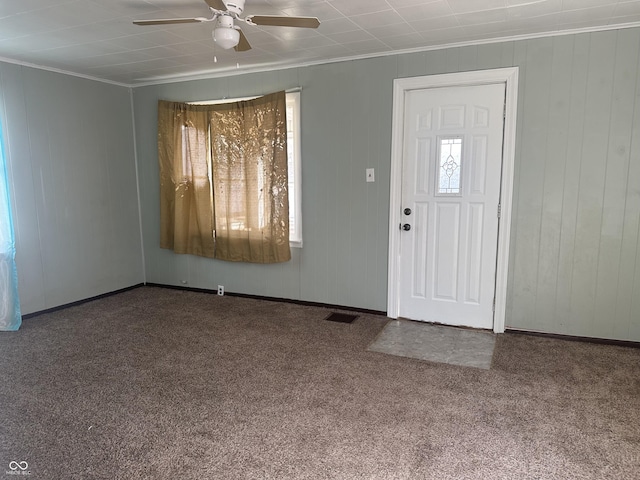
x,y
237,99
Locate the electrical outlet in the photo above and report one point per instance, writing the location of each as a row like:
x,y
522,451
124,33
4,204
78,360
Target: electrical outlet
x,y
220,290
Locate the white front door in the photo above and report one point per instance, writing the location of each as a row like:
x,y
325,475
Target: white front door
x,y
451,168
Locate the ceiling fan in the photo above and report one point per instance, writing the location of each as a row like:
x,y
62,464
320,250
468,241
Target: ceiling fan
x,y
226,34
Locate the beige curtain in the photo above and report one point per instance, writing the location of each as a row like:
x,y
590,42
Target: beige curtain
x,y
186,209
231,158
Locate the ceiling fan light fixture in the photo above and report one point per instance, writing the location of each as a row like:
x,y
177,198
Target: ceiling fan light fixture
x,y
225,13
226,37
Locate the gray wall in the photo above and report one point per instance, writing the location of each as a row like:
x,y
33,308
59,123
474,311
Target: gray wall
x,y
70,155
575,256
346,125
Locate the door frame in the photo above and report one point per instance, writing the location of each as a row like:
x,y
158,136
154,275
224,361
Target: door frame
x,y
508,76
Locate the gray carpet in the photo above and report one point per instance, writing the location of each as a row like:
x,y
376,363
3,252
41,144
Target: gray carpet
x,y
164,384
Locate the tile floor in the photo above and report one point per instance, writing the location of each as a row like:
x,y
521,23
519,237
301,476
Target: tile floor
x,y
436,343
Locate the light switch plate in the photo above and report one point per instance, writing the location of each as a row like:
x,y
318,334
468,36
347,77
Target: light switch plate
x,y
371,175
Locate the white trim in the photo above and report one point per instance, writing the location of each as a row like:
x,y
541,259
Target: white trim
x,y
509,76
234,70
65,72
395,198
293,97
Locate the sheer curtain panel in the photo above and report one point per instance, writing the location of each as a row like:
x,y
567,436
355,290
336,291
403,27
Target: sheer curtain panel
x,y
186,209
241,148
10,317
250,182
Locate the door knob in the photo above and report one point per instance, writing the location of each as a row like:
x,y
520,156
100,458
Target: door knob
x,y
406,227
407,211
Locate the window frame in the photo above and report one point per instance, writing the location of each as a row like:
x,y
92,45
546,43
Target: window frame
x,y
293,103
438,175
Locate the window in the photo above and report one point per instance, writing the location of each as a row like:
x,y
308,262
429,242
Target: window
x,y
224,175
449,166
295,170
294,162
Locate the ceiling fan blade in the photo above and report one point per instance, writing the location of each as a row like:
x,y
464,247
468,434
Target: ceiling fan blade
x,y
167,21
281,21
243,44
217,5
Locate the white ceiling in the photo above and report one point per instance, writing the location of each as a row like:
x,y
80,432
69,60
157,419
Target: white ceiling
x,y
96,38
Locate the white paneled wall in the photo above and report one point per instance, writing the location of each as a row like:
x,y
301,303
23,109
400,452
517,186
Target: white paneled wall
x,y
574,263
69,145
345,112
575,268
575,249
575,256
